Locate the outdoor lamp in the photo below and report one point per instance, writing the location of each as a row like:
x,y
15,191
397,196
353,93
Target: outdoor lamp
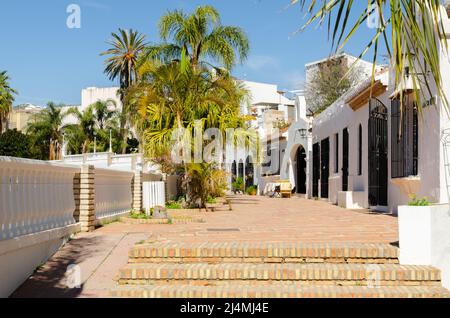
x,y
303,133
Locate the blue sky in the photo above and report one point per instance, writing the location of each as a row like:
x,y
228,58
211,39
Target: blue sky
x,y
49,62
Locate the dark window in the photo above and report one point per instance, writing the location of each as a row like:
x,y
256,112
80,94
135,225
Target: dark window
x,y
325,163
336,153
316,169
360,136
404,138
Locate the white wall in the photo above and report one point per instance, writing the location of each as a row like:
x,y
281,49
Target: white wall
x,y
92,95
36,216
425,237
113,194
333,121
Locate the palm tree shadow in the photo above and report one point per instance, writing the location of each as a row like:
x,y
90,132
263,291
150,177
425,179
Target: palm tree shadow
x,y
49,281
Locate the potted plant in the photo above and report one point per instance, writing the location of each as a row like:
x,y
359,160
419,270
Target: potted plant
x,y
424,234
238,185
252,190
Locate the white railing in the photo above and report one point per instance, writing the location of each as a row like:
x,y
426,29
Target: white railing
x,y
35,196
154,194
112,192
127,162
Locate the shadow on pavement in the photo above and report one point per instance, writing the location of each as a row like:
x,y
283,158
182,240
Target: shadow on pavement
x,y
49,281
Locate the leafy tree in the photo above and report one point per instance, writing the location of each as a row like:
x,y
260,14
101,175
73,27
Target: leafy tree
x,y
124,51
47,133
408,28
201,36
6,99
94,125
329,82
177,95
13,143
81,135
204,180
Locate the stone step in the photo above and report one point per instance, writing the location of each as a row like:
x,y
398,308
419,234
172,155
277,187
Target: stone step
x,y
185,291
263,252
298,274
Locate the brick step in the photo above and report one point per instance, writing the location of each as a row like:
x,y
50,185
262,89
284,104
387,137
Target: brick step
x,y
298,274
263,253
184,291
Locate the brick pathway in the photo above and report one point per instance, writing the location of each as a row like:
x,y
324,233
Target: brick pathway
x,y
101,254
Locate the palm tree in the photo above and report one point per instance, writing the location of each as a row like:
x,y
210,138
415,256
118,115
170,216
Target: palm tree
x,y
103,112
176,95
201,36
408,28
126,46
46,131
93,124
6,99
82,134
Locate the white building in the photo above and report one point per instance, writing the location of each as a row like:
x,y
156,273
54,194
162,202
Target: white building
x,y
370,153
270,108
91,95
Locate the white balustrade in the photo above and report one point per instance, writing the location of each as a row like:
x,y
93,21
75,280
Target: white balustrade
x,y
112,192
35,196
154,194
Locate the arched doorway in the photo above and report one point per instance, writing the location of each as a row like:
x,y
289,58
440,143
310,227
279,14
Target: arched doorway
x,y
241,169
378,153
300,180
233,171
249,172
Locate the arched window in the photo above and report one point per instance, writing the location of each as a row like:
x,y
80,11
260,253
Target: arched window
x,y
359,150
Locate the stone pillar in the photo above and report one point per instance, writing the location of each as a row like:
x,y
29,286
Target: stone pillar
x,y
137,191
87,198
76,196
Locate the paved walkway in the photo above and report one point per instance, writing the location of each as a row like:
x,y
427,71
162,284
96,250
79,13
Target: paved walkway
x,y
254,219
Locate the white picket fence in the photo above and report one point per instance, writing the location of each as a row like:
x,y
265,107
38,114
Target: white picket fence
x,y
35,196
112,192
154,194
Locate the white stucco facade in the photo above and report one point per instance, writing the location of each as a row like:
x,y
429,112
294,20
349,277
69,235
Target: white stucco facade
x,y
431,178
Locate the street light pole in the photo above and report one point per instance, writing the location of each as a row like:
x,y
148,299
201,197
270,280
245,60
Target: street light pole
x,y
95,143
110,141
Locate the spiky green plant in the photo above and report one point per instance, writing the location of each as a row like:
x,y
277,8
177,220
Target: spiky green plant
x,y
47,131
201,36
125,49
6,99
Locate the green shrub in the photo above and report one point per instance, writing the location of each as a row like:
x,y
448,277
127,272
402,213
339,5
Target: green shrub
x,y
13,143
253,190
415,201
211,200
238,185
139,215
174,205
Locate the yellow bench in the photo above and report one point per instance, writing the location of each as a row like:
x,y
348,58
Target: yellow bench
x,y
285,188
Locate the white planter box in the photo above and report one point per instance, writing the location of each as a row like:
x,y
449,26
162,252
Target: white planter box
x,y
424,234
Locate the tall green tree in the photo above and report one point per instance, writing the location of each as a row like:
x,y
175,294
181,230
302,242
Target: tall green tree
x,y
329,82
6,99
14,143
177,95
47,132
201,36
124,51
408,28
94,125
82,134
